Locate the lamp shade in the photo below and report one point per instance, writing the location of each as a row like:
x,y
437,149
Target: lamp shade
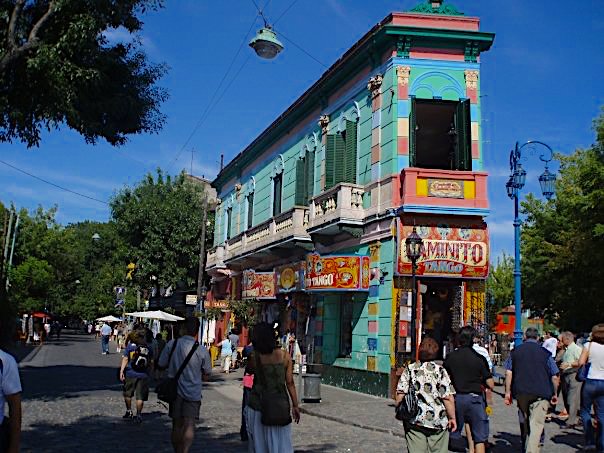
x,y
509,187
414,246
203,292
265,44
547,181
519,177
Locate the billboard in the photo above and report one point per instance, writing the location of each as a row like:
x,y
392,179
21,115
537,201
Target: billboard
x,y
336,273
258,285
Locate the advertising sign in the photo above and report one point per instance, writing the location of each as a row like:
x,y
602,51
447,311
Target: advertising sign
x,y
336,273
222,304
191,299
289,277
258,285
445,188
449,251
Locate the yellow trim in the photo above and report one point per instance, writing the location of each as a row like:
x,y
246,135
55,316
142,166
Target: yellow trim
x,y
421,187
469,189
474,129
403,127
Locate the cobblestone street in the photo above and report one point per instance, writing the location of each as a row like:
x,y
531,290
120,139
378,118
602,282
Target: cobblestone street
x,y
73,402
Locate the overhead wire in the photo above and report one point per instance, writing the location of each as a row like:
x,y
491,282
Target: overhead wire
x,y
280,33
52,183
285,12
210,105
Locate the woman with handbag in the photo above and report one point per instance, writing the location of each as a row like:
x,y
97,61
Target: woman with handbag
x,y
427,427
268,413
591,371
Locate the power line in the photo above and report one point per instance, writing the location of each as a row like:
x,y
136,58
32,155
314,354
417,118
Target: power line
x,y
209,105
280,33
285,12
52,183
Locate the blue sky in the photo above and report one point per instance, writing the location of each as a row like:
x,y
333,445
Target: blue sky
x,y
542,80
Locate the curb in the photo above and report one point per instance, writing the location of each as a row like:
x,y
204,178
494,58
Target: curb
x,y
29,357
351,423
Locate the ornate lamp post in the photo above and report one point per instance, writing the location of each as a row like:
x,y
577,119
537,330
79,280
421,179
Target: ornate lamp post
x,y
414,248
203,292
515,183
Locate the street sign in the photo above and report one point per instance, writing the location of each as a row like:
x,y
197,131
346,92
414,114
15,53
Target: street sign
x,y
191,299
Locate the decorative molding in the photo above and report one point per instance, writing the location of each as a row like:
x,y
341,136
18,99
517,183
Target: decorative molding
x,y
403,46
436,7
250,187
310,146
238,187
471,79
324,123
471,51
375,84
278,166
402,73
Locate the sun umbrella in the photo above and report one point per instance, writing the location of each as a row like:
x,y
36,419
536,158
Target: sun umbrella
x,y
157,314
109,318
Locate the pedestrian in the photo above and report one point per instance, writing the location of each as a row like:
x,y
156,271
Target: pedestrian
x,y
532,379
97,331
550,343
234,339
105,332
248,384
226,352
571,388
593,389
185,409
428,432
273,388
470,374
10,392
89,328
137,362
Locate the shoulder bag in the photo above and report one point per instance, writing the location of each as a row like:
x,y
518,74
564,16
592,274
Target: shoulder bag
x,y
274,404
583,370
167,389
408,408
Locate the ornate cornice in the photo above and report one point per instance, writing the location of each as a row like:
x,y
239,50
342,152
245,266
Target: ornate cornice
x,y
323,123
375,84
471,79
436,7
402,74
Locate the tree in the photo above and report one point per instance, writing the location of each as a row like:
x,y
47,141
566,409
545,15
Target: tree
x,y
57,67
500,284
563,241
160,221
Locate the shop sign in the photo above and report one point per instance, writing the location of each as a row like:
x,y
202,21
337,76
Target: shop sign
x,y
445,188
337,273
289,277
258,285
449,251
191,299
222,304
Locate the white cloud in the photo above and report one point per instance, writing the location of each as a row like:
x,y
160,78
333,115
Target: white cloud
x,y
501,228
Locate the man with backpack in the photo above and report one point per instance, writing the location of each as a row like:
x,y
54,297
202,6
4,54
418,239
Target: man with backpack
x,y
134,373
188,363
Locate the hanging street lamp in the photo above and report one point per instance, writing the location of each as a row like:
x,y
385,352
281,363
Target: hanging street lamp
x,y
265,43
414,249
515,183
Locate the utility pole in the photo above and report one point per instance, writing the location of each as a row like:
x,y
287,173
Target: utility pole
x,y
6,244
12,252
202,246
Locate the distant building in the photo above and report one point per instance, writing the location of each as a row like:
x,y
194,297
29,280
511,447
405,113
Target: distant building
x,y
314,213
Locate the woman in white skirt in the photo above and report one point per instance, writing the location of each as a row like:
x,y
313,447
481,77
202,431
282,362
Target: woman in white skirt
x,y
277,376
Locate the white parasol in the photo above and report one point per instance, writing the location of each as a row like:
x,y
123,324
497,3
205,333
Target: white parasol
x,y
109,318
157,314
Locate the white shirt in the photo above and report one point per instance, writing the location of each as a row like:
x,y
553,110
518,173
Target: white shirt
x,y
483,352
9,379
106,329
596,360
551,344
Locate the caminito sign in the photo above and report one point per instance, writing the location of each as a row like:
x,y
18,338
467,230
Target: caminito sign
x,y
449,251
336,273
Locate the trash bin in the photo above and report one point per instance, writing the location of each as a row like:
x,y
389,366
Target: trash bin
x,y
311,388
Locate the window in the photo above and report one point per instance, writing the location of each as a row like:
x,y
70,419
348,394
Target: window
x,y
250,209
277,191
440,134
305,174
341,156
229,219
346,306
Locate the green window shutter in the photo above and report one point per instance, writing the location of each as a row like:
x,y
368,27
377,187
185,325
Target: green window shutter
x,y
463,151
310,176
330,150
350,170
300,182
339,174
228,223
412,133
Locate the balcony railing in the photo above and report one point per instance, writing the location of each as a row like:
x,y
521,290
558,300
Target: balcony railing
x,y
343,202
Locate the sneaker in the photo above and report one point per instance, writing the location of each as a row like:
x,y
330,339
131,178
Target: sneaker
x,y
589,448
137,419
127,415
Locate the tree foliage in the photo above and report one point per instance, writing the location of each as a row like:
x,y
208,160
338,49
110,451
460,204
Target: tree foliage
x,y
57,67
500,284
563,241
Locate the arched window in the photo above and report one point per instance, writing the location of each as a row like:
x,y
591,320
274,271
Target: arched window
x,y
250,188
228,218
305,172
341,150
277,185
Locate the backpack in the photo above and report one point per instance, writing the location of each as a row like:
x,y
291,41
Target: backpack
x,y
408,408
139,358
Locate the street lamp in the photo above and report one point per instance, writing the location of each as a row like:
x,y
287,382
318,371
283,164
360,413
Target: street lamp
x,y
513,186
203,292
414,248
265,43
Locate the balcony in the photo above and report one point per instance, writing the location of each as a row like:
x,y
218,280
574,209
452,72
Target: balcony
x,y
291,224
443,192
342,204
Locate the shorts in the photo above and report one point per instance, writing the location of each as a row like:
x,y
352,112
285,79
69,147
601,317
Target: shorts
x,y
470,408
137,387
181,408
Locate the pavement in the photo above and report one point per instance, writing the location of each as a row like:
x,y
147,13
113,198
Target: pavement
x,y
73,402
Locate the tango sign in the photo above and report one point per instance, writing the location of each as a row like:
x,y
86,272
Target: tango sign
x,y
448,251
